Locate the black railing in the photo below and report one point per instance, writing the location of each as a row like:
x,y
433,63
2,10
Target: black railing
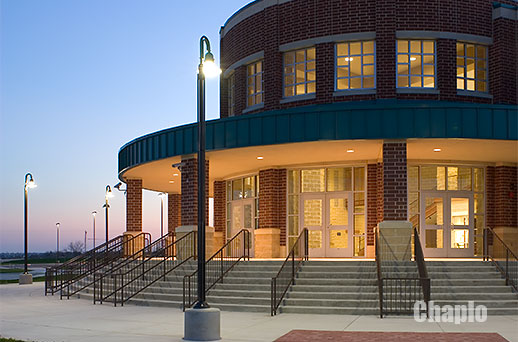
x,y
109,259
502,257
144,268
401,282
217,266
286,275
57,277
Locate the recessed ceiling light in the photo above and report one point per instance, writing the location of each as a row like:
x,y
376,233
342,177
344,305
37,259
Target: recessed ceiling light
x,y
171,181
413,59
350,150
175,174
260,157
437,150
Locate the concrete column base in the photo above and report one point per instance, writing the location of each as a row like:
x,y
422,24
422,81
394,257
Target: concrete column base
x,y
510,237
25,279
267,243
132,246
371,252
187,249
398,237
218,241
202,325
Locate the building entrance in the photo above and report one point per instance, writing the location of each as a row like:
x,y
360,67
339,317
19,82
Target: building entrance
x,y
243,218
328,218
447,224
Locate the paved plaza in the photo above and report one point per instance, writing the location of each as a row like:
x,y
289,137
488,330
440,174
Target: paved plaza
x,y
25,313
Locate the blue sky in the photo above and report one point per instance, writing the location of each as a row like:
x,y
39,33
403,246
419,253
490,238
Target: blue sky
x,y
78,79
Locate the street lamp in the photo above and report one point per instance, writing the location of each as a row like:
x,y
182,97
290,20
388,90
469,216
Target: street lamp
x,y
93,215
162,196
85,239
26,277
57,242
202,324
108,194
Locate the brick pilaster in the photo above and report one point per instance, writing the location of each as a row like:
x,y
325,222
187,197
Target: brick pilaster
x,y
220,202
272,200
372,201
174,211
394,181
189,198
505,196
502,62
134,205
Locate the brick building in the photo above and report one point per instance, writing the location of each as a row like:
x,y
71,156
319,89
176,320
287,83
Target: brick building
x,y
337,115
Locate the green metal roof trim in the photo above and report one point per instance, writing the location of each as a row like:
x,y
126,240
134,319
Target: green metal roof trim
x,y
380,119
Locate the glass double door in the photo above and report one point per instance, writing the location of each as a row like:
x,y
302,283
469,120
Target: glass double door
x,y
447,225
329,220
243,218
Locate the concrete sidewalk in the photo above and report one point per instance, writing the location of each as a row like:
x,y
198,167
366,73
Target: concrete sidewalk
x,y
25,313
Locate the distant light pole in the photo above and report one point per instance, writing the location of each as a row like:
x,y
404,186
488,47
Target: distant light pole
x,y
85,239
26,277
93,215
57,242
162,196
108,194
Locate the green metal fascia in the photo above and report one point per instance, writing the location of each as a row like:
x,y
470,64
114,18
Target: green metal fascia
x,y
379,119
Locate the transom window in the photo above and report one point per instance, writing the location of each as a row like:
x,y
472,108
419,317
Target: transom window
x,y
255,83
471,67
355,65
231,95
299,72
416,64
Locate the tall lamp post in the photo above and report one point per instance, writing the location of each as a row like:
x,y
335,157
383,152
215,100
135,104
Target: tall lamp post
x,y
26,277
57,242
162,196
93,215
108,194
202,322
85,239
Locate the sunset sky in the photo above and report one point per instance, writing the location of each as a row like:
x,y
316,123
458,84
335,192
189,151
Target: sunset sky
x,y
79,79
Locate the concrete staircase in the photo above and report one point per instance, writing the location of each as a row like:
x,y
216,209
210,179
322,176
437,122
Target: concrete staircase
x,y
346,287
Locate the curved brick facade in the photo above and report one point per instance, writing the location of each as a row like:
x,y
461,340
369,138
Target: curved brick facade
x,y
264,26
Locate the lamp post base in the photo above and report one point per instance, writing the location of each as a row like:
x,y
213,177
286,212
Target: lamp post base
x,y
25,279
202,325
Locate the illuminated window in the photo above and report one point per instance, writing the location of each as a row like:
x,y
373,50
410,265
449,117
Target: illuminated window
x,y
255,83
471,67
299,72
231,95
355,66
416,64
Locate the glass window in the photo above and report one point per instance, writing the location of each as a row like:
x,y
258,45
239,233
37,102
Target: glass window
x,y
415,63
472,67
255,83
339,179
313,180
478,181
237,189
293,182
249,187
299,72
433,178
459,178
359,179
355,66
231,95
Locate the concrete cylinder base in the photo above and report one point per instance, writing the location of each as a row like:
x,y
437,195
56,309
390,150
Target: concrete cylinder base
x,y
25,279
202,325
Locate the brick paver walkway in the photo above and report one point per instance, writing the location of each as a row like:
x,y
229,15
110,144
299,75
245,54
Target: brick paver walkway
x,y
360,336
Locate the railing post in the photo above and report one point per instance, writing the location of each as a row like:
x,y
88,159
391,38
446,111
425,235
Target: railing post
x,y
293,267
485,252
506,266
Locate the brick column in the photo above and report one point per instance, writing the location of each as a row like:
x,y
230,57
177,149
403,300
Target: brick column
x,y
174,211
189,198
386,21
502,62
394,181
271,234
505,209
134,205
220,204
372,203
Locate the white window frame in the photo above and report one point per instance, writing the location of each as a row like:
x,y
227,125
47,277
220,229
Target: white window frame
x,y
422,54
294,74
252,78
362,65
475,79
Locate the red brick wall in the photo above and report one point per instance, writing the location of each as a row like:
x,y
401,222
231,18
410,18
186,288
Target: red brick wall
x,y
379,198
372,201
394,181
505,196
272,200
134,205
220,202
280,24
189,199
174,211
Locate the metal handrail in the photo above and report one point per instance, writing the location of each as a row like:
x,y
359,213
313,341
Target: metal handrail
x,y
399,294
108,260
157,260
56,277
300,243
509,269
217,266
